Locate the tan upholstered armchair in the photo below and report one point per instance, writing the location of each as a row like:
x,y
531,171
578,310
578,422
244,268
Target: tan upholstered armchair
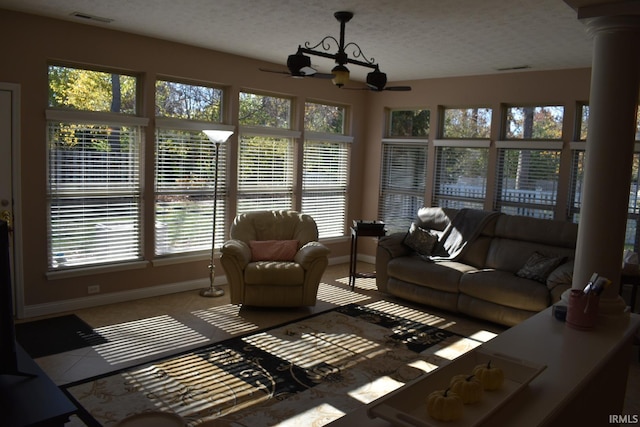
x,y
273,258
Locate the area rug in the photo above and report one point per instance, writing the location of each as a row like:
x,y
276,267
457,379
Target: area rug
x,y
56,335
318,368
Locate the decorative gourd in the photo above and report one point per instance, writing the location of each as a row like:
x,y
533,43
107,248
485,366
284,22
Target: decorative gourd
x,y
444,405
468,387
491,377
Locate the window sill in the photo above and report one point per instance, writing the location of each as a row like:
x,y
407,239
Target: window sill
x,y
89,271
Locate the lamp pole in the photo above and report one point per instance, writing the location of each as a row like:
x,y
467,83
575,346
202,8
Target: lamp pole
x,y
217,137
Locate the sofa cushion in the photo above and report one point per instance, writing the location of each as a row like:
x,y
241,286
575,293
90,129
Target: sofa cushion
x,y
442,275
274,273
420,240
510,254
539,266
504,288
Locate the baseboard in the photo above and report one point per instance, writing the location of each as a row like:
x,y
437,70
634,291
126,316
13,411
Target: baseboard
x,y
152,291
116,297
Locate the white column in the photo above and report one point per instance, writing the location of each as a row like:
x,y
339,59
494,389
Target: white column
x,y
615,84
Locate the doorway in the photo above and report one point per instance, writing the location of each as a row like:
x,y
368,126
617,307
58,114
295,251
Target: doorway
x,y
10,184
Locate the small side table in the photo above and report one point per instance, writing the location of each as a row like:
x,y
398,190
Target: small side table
x,y
632,279
361,231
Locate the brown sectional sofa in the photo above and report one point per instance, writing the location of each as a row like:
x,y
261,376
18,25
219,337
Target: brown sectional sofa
x,y
485,277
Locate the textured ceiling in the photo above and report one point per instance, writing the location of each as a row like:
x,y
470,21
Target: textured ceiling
x,y
410,39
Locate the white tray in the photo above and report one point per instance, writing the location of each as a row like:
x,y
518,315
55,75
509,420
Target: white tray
x,y
407,406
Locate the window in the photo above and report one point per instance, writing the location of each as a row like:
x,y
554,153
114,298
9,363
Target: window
x,y
462,158
461,175
578,153
534,123
409,123
529,163
325,168
93,191
404,168
466,123
185,168
266,153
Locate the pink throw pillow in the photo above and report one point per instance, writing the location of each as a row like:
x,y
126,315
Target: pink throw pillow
x,y
273,250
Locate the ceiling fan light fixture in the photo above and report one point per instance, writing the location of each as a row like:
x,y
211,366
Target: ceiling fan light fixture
x,y
340,75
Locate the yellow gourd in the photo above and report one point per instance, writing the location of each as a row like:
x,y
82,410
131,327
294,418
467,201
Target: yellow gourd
x,y
444,405
491,377
468,387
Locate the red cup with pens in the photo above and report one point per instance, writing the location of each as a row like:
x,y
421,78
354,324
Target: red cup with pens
x,y
582,311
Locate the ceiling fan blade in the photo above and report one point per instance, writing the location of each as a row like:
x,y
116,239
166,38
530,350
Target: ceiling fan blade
x,y
275,71
398,88
322,76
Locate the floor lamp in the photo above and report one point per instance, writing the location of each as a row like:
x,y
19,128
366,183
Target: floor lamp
x,y
217,137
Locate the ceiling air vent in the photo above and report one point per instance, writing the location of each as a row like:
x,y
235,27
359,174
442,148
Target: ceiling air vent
x,y
88,17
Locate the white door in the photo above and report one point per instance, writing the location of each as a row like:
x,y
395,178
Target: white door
x,y
9,182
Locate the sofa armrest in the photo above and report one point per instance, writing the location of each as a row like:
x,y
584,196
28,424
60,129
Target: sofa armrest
x,y
389,247
238,250
393,245
308,253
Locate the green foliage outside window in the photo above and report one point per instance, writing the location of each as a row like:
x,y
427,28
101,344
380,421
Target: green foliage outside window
x,y
467,123
324,118
410,123
262,110
542,122
88,90
189,102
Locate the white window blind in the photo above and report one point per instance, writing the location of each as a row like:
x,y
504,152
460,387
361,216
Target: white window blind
x,y
577,178
632,234
185,179
93,194
528,180
461,177
265,173
403,178
324,185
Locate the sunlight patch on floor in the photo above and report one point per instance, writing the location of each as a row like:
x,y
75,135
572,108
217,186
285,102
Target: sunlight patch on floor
x,y
308,349
483,336
322,414
146,337
408,313
339,296
227,318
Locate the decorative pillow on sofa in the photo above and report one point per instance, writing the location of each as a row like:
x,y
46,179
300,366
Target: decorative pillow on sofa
x,y
273,250
561,276
539,266
420,240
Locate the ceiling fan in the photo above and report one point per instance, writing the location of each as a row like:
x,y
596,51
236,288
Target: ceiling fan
x,y
377,80
300,65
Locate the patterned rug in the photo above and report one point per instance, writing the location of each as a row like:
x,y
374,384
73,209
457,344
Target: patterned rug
x,y
315,369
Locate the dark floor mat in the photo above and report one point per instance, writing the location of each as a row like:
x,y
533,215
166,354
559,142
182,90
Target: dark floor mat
x,y
56,335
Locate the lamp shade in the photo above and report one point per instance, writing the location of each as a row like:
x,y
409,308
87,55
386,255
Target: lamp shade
x,y
217,135
340,75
